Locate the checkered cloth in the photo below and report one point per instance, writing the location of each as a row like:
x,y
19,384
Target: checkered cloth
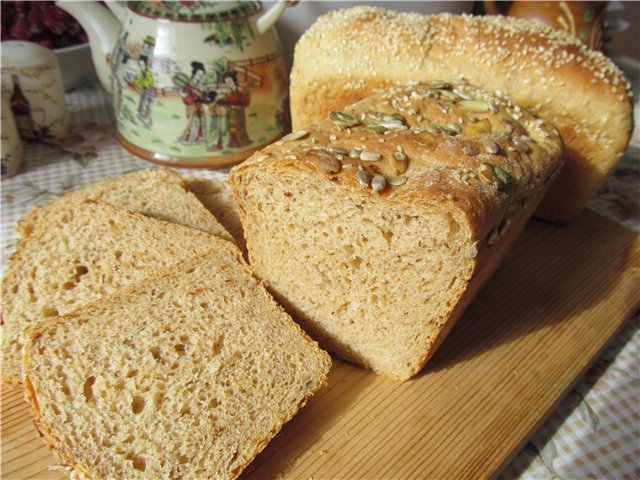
x,y
593,433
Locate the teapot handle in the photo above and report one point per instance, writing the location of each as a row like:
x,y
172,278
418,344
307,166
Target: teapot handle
x,y
271,16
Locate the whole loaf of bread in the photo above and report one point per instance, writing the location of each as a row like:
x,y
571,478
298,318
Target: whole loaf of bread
x,y
377,225
348,54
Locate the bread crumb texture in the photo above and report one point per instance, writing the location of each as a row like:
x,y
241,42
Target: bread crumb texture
x,y
82,253
187,375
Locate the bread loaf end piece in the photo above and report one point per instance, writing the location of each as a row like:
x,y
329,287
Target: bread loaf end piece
x,y
377,226
186,375
155,192
83,252
348,54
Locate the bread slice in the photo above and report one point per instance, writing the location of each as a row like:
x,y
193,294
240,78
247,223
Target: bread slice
x,y
216,196
346,55
377,226
186,375
155,192
80,254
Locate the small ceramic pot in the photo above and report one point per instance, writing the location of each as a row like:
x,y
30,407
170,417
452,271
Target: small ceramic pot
x,y
32,75
584,20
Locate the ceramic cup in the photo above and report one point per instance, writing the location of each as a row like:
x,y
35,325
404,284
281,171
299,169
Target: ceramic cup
x,y
31,74
12,152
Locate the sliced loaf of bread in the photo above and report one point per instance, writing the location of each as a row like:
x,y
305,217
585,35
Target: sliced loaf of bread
x,y
82,253
377,226
186,375
155,192
216,196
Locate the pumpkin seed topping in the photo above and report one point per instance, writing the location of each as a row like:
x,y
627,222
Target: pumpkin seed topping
x,y
399,162
354,153
363,178
426,138
396,181
476,106
297,135
440,84
376,128
478,127
378,183
521,145
342,119
338,150
437,128
449,95
324,161
490,146
491,173
462,94
370,156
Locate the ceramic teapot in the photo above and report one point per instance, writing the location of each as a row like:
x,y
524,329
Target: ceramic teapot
x,y
194,84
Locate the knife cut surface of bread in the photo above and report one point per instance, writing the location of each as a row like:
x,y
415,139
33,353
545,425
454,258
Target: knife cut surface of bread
x,y
377,226
348,54
186,375
155,192
80,254
216,196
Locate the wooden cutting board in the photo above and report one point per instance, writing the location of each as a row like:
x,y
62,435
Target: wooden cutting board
x,y
557,300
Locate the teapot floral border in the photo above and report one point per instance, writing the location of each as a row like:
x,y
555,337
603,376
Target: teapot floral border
x,y
196,11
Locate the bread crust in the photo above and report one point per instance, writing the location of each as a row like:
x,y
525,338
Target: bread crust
x,y
348,54
451,135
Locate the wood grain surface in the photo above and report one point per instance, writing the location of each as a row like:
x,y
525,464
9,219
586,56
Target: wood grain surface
x,y
560,296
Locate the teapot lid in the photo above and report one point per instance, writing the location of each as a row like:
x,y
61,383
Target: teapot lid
x,y
196,11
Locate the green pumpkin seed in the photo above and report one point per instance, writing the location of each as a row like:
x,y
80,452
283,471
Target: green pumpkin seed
x,y
342,119
475,106
376,128
491,173
297,135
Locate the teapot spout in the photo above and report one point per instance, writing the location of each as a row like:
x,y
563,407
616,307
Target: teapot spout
x,y
102,28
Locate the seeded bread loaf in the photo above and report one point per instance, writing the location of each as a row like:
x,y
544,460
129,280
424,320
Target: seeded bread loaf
x,y
216,196
186,375
155,192
376,227
348,54
80,254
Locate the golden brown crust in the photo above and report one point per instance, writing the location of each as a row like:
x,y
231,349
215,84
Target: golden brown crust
x,y
347,54
458,163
